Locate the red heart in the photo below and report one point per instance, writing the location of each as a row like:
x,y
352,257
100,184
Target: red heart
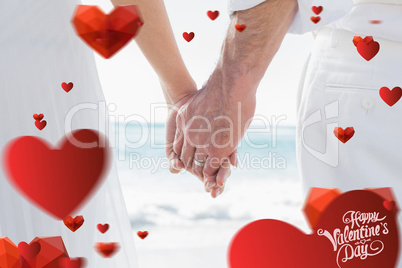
x,y
115,30
107,249
38,117
390,96
344,135
375,21
213,14
40,124
142,235
73,223
368,49
103,228
272,243
67,262
315,19
188,36
70,175
29,251
67,87
240,27
317,10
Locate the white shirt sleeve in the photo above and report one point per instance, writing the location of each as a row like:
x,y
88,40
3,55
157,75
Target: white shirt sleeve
x,y
332,11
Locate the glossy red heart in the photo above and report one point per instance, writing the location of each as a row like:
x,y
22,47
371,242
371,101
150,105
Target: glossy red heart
x,y
213,14
317,10
142,234
356,40
72,262
73,223
344,135
272,243
315,19
40,124
106,34
69,174
391,96
240,27
103,228
368,49
107,250
67,87
38,117
188,36
29,251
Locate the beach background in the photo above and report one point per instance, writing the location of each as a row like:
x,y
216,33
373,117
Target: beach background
x,y
188,228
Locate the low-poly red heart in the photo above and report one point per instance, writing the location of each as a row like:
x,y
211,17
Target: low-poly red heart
x,y
240,27
107,250
272,243
315,19
142,234
344,135
40,124
72,262
38,117
317,10
391,96
213,14
114,30
368,49
68,175
188,36
103,227
29,251
73,223
67,87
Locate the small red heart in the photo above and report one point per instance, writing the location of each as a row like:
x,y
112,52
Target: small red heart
x,y
106,250
315,19
67,262
368,49
344,135
29,251
389,205
213,14
317,10
40,124
375,21
38,117
67,87
356,40
143,234
103,228
240,27
73,223
390,96
188,36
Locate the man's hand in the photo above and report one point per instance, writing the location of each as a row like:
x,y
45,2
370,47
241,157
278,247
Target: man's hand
x,y
211,123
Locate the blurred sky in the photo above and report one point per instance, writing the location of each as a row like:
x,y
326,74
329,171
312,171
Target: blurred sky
x,y
129,82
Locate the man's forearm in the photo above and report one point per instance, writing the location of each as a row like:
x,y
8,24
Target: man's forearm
x,y
246,55
157,43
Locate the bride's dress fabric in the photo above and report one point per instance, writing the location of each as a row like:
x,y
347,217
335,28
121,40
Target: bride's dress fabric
x,y
39,50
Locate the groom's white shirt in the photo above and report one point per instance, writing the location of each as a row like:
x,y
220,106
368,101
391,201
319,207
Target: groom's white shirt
x,y
351,15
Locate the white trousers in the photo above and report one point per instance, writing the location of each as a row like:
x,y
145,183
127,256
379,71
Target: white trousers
x,y
341,89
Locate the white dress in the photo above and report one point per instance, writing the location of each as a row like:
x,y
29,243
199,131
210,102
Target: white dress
x,y
39,50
